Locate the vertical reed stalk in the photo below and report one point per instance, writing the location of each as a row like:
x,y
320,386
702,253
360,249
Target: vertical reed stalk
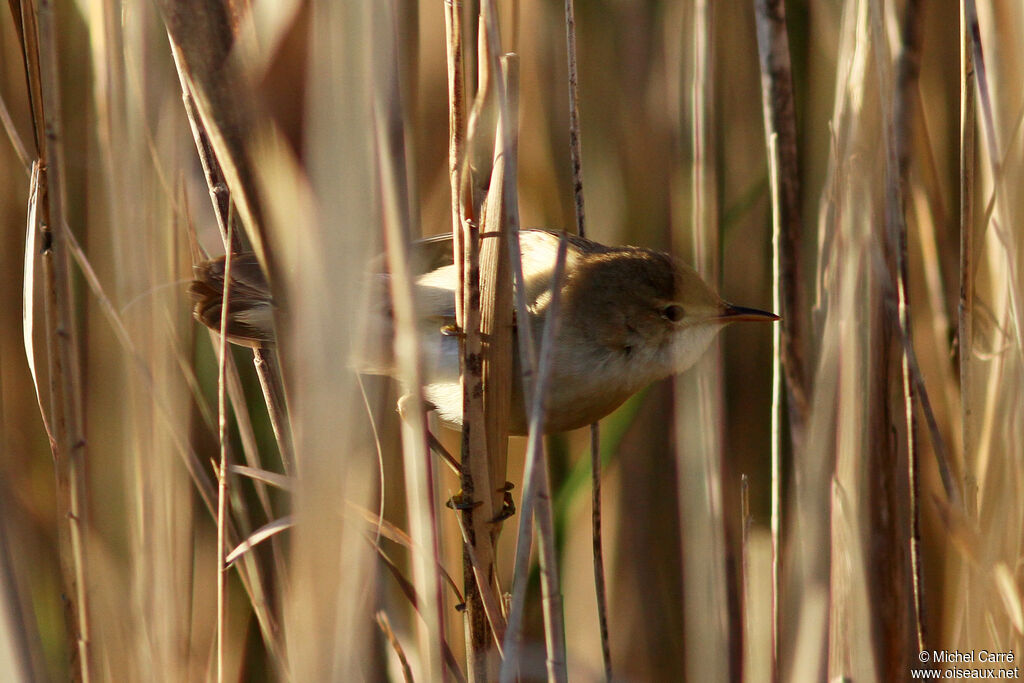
x,y
779,109
487,364
474,464
477,552
576,156
965,304
891,546
536,506
63,352
908,69
777,381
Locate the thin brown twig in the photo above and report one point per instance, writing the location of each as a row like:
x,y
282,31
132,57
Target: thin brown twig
x,y
777,381
492,607
576,156
222,468
944,462
25,19
473,441
575,146
600,585
243,421
270,374
942,457
474,437
220,196
464,249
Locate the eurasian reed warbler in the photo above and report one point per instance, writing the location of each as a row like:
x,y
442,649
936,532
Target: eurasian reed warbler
x,y
629,316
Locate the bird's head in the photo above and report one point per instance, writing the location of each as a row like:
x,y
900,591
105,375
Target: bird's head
x,y
651,309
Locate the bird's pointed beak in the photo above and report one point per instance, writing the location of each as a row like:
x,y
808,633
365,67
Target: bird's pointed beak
x,y
732,314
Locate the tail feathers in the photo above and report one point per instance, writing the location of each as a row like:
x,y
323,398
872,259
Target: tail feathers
x,y
250,319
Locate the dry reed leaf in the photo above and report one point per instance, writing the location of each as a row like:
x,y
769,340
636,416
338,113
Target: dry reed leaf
x,y
389,633
807,650
410,593
960,531
12,134
281,481
255,538
28,290
1008,591
393,533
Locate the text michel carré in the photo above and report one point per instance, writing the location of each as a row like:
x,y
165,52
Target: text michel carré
x,y
971,656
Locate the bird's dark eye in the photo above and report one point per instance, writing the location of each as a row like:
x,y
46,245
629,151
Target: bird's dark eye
x,y
673,312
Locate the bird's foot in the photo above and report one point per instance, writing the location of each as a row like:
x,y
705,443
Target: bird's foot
x,y
508,505
460,501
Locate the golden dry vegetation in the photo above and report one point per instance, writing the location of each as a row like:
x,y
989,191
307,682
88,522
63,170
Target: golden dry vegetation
x,y
876,441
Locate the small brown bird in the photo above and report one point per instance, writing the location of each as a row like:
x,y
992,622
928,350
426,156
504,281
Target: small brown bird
x,y
629,316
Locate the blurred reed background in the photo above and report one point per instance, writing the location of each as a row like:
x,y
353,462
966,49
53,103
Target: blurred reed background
x,y
898,449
